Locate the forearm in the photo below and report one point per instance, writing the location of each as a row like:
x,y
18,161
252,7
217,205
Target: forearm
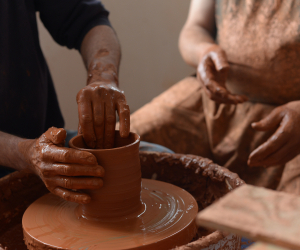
x,y
101,54
194,41
12,149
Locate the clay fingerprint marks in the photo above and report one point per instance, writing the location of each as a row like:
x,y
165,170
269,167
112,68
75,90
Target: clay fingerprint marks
x,y
257,213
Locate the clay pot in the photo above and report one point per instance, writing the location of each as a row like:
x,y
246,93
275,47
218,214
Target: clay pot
x,y
19,190
120,194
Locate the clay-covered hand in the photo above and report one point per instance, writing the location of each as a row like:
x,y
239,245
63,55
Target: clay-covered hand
x,y
97,106
63,170
284,144
212,71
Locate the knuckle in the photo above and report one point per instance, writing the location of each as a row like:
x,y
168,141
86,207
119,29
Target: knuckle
x,y
43,154
110,119
98,89
67,183
112,91
45,172
99,120
81,94
66,169
125,112
86,118
66,196
96,183
102,90
65,154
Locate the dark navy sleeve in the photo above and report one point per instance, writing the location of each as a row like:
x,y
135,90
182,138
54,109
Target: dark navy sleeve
x,y
68,21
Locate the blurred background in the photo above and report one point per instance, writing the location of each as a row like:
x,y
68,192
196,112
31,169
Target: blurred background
x,y
148,31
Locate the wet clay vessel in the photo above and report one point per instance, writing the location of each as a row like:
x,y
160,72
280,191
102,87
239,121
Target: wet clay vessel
x,y
126,213
18,190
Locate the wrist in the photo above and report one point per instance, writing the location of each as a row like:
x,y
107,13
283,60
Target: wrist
x,y
105,72
26,152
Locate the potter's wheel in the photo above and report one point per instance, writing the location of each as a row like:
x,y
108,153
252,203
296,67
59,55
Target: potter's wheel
x,y
165,220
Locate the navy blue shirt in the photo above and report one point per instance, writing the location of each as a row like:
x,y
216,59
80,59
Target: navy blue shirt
x,y
28,102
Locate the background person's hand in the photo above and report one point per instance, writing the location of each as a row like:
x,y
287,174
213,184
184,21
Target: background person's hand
x,y
97,106
212,71
63,170
284,144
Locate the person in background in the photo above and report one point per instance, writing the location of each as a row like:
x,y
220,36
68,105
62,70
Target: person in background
x,y
243,108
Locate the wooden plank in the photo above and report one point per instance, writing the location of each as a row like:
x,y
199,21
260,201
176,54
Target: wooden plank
x,y
265,246
257,213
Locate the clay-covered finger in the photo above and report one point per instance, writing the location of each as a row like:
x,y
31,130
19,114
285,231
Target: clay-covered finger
x,y
220,60
273,144
279,157
238,98
54,154
75,170
233,99
55,135
75,182
124,115
110,124
86,121
220,97
271,121
98,108
72,196
244,98
288,156
79,132
205,69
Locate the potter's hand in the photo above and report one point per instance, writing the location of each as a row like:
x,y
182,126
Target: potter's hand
x,y
62,169
212,70
284,144
97,105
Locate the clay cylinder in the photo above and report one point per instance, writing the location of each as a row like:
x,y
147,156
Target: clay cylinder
x,y
120,194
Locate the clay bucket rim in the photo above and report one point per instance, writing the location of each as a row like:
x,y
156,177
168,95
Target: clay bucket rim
x,y
71,144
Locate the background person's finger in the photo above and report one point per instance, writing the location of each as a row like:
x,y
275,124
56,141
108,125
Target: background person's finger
x,y
53,153
220,94
124,115
86,120
205,69
75,170
98,108
271,121
220,60
74,182
240,98
282,156
110,124
72,196
215,91
273,144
